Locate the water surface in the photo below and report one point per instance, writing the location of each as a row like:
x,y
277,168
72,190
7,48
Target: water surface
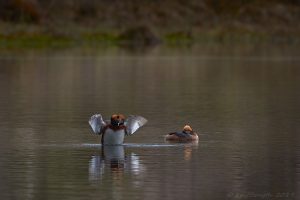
x,y
244,102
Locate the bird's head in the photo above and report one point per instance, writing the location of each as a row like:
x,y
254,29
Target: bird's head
x,y
117,119
187,129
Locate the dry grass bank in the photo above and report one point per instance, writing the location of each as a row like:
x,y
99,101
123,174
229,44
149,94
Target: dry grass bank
x,y
134,20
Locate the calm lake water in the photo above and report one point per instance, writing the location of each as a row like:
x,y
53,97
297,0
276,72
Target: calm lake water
x,y
243,101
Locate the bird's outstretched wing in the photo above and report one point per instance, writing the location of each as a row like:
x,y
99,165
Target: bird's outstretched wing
x,y
133,123
96,122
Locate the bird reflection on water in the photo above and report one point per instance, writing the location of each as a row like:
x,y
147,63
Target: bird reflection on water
x,y
114,161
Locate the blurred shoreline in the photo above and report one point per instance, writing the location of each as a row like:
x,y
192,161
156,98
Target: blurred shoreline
x,y
41,24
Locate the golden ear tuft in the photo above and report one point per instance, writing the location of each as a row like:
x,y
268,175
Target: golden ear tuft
x,y
121,116
187,128
114,116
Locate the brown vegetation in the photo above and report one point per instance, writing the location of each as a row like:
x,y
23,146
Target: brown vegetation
x,y
20,10
190,17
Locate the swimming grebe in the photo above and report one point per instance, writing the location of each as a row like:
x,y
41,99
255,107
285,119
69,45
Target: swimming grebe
x,y
187,134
